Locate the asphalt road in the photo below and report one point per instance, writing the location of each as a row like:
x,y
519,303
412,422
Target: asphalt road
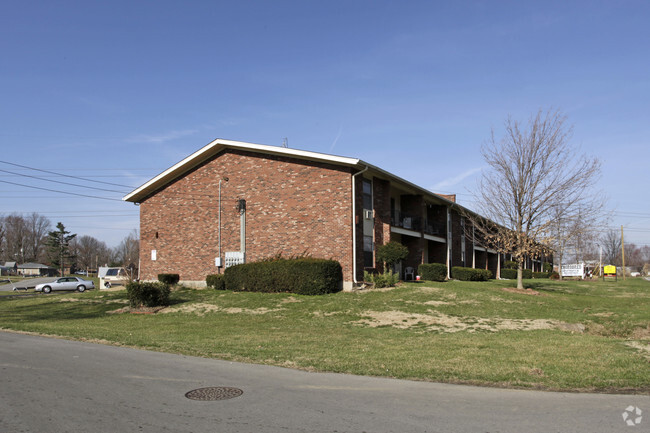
x,y
27,283
53,385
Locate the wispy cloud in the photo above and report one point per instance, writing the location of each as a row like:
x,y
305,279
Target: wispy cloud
x,y
336,139
161,138
445,184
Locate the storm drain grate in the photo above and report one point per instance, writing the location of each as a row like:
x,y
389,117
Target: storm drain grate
x,y
213,393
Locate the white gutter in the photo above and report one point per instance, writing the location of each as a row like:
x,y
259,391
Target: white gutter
x,y
354,226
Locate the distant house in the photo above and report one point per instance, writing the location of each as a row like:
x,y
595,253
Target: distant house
x,y
11,268
35,270
231,202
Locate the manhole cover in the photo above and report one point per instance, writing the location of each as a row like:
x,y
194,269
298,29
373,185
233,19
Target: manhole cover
x,y
214,393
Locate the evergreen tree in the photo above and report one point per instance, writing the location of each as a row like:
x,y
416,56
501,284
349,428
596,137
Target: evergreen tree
x,y
58,244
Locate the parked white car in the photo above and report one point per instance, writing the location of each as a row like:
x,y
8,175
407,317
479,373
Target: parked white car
x,y
65,283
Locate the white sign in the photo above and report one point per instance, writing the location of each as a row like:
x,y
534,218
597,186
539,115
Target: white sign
x,y
574,270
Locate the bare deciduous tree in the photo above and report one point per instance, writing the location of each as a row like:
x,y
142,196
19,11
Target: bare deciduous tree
x,y
573,230
15,238
128,252
90,252
611,243
23,239
532,170
37,229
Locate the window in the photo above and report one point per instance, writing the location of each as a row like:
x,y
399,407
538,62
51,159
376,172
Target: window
x,y
367,194
368,252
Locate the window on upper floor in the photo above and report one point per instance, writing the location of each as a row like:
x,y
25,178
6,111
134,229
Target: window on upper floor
x,y
367,194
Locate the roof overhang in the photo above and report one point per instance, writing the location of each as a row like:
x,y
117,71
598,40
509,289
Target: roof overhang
x,y
219,145
216,146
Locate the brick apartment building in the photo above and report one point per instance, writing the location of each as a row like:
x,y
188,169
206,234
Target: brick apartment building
x,y
232,199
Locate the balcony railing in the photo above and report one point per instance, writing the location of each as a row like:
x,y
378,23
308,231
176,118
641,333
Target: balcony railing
x,y
435,228
406,221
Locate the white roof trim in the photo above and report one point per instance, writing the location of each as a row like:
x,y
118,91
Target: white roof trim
x,y
215,146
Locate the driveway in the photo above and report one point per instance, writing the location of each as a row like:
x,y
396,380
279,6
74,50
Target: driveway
x,y
56,385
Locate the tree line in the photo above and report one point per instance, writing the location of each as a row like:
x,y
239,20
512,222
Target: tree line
x,y
29,238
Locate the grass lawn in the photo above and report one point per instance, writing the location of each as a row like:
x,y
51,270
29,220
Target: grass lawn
x,y
570,335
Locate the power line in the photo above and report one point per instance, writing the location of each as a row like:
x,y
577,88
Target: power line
x,y
65,175
61,182
61,192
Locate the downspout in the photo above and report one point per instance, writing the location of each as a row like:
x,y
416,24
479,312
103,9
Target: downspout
x,y
354,226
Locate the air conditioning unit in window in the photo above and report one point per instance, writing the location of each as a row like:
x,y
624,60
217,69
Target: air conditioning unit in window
x,y
367,214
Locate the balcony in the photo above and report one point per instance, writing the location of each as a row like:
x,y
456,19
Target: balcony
x,y
435,228
406,221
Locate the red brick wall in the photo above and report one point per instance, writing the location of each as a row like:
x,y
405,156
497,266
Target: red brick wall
x,y
381,203
293,207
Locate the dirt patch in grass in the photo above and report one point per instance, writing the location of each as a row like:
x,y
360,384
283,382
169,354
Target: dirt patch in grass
x,y
94,301
438,303
261,310
290,300
643,348
201,309
641,333
430,289
326,314
140,310
434,303
198,308
522,291
437,321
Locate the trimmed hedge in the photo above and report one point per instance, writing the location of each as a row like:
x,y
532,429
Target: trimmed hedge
x,y
216,281
541,274
169,279
470,274
146,294
527,274
303,276
432,271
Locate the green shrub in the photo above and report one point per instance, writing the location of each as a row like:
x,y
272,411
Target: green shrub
x,y
304,276
146,294
392,253
470,274
216,281
432,271
548,267
387,279
541,274
511,274
510,264
169,279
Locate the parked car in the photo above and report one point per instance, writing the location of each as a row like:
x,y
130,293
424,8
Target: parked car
x,y
65,283
115,277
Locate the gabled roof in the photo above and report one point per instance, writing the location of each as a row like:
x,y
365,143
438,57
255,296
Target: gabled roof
x,y
218,145
33,266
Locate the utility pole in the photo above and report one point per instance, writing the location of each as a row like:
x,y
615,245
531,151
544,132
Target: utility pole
x,y
623,252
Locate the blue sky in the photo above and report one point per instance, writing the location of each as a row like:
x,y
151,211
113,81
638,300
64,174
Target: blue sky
x,y
118,91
